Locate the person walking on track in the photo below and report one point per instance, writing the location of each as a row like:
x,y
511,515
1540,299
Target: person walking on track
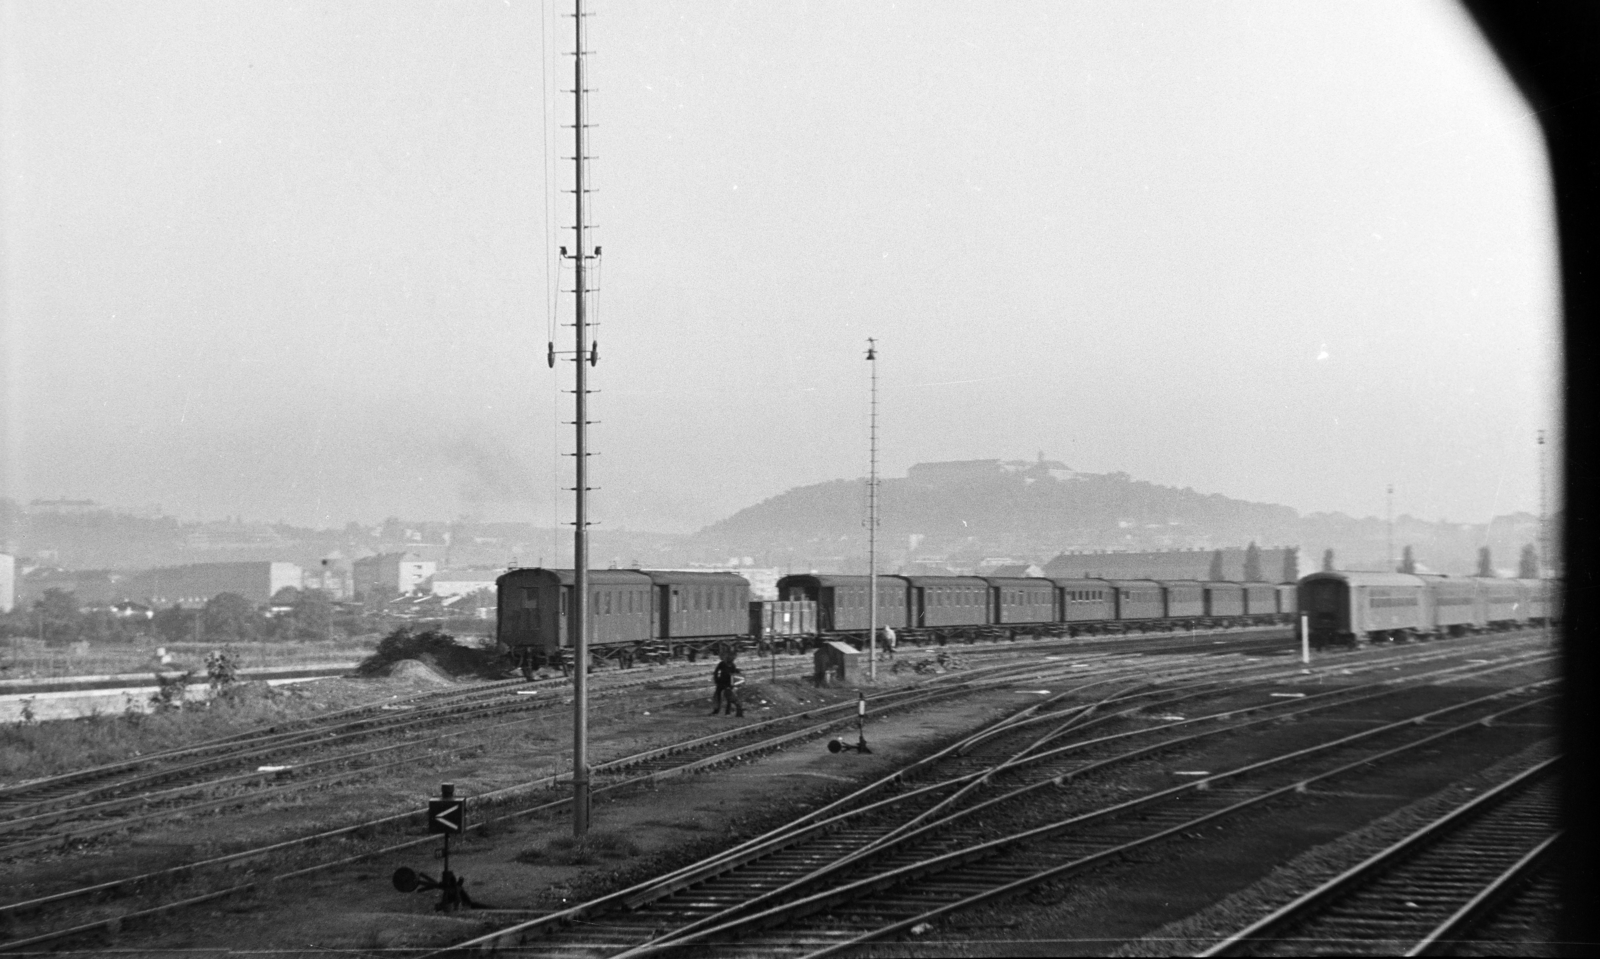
x,y
727,696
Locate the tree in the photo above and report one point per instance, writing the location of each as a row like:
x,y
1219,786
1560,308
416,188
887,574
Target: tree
x,y
313,615
1327,560
1528,566
1408,562
1291,564
1217,574
1485,567
1252,563
175,624
287,596
229,617
58,615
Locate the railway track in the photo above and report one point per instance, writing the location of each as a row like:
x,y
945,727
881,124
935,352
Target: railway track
x,y
1423,894
678,759
627,771
255,766
887,864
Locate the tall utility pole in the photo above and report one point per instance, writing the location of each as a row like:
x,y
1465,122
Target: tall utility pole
x,y
872,518
1389,512
582,357
1546,561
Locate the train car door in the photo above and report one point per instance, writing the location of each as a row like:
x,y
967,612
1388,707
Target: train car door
x,y
919,605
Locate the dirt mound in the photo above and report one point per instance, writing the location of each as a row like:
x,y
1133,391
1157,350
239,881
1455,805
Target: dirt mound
x,y
416,669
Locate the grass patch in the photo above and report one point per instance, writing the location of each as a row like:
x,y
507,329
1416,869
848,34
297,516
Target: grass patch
x,y
22,658
36,750
569,851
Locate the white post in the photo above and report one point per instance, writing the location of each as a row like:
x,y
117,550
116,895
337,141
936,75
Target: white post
x,y
1305,639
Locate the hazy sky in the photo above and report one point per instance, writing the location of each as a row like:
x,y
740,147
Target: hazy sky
x,y
289,260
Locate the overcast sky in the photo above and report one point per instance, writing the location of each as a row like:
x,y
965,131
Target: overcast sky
x,y
289,260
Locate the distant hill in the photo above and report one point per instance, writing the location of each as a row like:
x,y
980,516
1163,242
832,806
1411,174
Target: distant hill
x,y
975,514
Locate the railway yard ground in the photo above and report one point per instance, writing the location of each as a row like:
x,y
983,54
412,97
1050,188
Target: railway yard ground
x,y
1150,795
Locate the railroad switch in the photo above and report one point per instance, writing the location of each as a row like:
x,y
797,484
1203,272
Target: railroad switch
x,y
838,745
447,817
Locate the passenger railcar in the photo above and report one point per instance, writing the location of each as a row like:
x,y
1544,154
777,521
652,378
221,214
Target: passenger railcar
x,y
1087,603
1139,599
1022,601
1223,601
1288,599
842,601
947,601
1347,607
1260,599
1185,600
633,614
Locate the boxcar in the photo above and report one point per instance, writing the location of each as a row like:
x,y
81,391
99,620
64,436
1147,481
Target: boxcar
x,y
1087,600
1185,598
1345,607
842,601
1260,599
1021,600
534,605
1223,600
1138,599
936,601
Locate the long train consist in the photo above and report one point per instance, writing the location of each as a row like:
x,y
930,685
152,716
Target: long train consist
x,y
1347,607
656,614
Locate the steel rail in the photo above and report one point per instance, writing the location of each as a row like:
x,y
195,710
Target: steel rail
x,y
502,794
1476,910
852,890
759,846
1101,856
1306,905
847,714
878,850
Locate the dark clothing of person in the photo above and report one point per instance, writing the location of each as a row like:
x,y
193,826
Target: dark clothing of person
x,y
727,696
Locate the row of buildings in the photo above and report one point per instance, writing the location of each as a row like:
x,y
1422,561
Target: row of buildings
x,y
380,577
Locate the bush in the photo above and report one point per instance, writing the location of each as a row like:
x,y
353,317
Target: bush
x,y
437,649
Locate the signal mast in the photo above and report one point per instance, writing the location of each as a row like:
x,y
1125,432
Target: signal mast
x,y
582,356
872,518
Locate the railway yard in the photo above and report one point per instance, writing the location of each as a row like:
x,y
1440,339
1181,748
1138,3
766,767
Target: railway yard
x,y
1168,794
